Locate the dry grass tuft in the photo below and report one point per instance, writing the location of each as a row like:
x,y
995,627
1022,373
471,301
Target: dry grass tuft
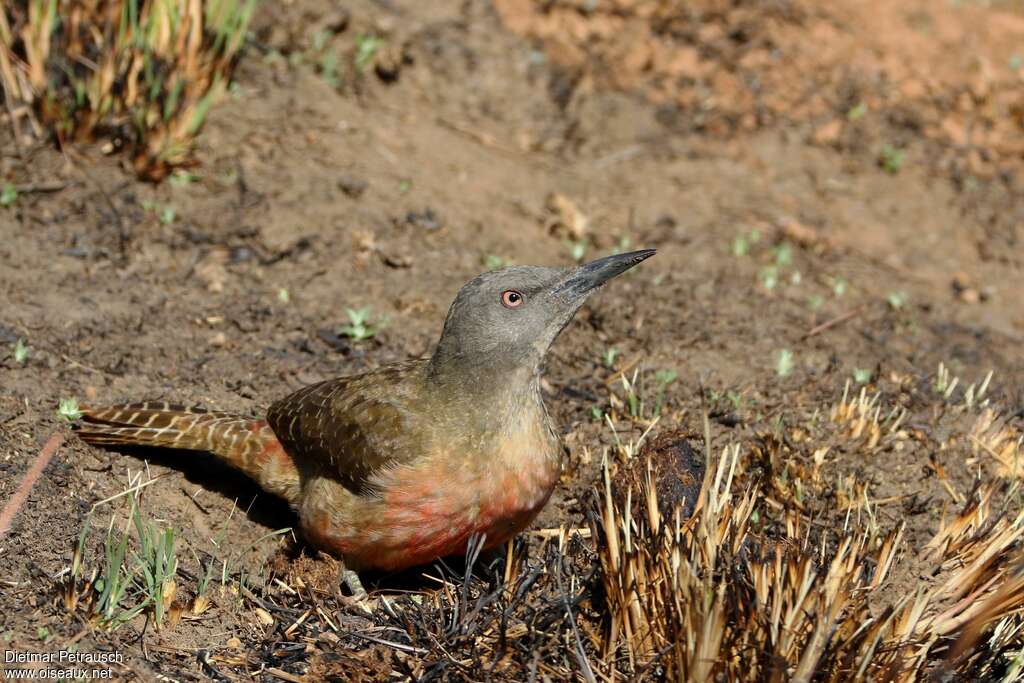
x,y
143,72
726,596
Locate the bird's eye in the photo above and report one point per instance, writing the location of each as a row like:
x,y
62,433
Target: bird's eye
x,y
510,298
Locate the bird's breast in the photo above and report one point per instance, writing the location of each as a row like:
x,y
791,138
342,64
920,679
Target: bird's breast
x,y
432,509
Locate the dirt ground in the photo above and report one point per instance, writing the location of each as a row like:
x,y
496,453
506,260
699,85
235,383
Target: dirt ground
x,y
842,184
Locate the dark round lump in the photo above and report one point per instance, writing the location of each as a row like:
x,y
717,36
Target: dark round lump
x,y
677,469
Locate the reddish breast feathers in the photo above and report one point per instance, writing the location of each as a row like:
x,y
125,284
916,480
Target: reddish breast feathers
x,y
431,509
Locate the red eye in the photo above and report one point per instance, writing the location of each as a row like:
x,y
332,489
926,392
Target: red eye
x,y
511,298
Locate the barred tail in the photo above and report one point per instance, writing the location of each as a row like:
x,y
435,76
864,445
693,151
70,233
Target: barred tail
x,y
247,444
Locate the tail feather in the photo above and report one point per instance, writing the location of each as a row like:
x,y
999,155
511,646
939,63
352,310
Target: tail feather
x,y
250,445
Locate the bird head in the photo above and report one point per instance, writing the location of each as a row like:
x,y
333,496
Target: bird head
x,y
506,319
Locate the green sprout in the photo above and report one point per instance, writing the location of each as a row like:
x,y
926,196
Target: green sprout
x,y
283,295
167,215
784,363
359,326
663,378
183,178
770,277
742,242
8,195
839,286
858,111
891,159
68,409
735,398
861,375
20,351
493,262
783,254
329,69
577,249
596,413
404,186
366,47
896,300
609,356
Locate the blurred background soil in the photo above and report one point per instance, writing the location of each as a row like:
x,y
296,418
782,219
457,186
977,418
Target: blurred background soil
x,y
855,164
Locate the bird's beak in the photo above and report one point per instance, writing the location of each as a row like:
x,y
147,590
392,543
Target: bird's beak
x,y
588,277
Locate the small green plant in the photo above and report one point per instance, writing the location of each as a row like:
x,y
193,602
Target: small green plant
x,y
770,277
359,326
157,564
329,69
130,577
283,295
8,195
609,356
68,409
182,178
20,352
736,399
742,242
858,111
367,45
577,249
783,254
891,159
167,215
493,262
861,375
596,413
815,301
896,300
784,363
839,286
43,633
404,186
663,379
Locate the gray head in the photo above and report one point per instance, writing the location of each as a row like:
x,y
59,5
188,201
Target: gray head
x,y
504,321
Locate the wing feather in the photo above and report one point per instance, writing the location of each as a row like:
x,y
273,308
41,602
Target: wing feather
x,y
355,426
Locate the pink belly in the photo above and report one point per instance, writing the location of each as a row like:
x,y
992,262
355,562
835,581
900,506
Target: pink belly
x,y
421,517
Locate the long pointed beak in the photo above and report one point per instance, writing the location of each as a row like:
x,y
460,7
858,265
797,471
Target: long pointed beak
x,y
590,276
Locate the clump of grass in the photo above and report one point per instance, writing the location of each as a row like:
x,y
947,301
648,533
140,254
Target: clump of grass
x,y
136,571
131,577
143,72
719,596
